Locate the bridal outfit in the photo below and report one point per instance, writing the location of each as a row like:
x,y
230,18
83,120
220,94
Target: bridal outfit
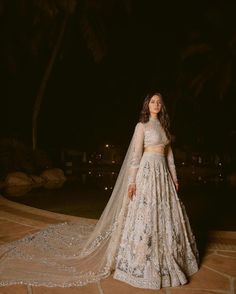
x,y
146,242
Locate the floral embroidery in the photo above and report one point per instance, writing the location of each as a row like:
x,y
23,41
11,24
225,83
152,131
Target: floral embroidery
x,y
155,248
146,169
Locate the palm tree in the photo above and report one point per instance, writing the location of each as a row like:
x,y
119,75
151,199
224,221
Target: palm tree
x,y
93,29
51,10
206,64
206,83
41,26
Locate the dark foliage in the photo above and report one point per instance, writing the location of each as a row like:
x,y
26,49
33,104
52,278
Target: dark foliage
x,y
18,156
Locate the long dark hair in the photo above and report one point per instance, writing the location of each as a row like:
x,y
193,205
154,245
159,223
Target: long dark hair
x,y
162,115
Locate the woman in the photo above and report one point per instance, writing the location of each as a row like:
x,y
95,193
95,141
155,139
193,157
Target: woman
x,y
157,246
143,235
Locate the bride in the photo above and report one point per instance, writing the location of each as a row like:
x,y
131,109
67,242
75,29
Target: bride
x,y
143,236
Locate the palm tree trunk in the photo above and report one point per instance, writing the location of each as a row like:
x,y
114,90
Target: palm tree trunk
x,y
39,97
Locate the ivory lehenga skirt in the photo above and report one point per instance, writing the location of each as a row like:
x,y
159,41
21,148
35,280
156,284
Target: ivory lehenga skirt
x,y
157,248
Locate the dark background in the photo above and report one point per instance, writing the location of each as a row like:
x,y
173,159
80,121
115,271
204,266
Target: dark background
x,y
104,69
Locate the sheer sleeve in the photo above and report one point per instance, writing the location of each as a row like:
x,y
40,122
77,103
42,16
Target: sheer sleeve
x,y
136,152
171,163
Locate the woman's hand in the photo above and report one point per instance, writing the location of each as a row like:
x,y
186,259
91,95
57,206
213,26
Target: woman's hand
x,y
131,190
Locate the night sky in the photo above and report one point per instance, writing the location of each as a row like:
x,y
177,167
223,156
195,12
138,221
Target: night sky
x,y
89,102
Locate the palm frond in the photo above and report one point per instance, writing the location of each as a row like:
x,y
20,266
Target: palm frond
x,y
94,35
225,80
194,50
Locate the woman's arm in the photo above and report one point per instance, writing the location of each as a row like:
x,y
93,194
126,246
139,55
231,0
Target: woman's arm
x,y
136,153
171,165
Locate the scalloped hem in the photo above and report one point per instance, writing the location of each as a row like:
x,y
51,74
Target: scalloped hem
x,y
148,284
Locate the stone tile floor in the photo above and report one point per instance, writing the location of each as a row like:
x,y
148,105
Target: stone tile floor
x,y
217,272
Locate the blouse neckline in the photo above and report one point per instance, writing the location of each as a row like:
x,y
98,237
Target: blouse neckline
x,y
154,119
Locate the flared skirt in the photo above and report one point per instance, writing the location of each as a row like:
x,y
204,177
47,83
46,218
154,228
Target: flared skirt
x,y
157,248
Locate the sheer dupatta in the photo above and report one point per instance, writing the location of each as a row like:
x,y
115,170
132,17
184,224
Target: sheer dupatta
x,y
71,254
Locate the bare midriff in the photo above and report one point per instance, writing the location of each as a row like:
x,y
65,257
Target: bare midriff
x,y
155,148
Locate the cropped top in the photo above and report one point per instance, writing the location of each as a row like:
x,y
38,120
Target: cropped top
x,y
146,134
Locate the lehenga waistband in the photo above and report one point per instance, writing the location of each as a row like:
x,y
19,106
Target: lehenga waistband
x,y
158,149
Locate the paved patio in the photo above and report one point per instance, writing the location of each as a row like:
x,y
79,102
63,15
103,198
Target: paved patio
x,y
217,273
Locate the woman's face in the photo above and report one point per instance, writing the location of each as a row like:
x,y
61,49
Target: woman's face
x,y
155,105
